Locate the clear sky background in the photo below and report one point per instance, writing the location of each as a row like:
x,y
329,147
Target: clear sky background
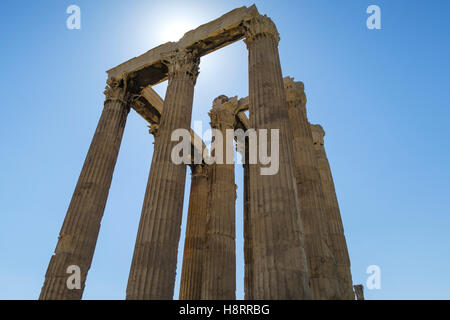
x,y
382,97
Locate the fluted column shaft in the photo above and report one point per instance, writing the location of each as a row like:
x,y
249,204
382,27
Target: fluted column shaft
x,y
153,268
321,263
79,232
219,274
333,215
194,244
279,262
248,244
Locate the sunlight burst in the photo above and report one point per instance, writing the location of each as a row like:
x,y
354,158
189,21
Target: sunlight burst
x,y
175,29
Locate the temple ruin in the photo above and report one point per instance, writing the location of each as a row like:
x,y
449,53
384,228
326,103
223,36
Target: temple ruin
x,y
294,243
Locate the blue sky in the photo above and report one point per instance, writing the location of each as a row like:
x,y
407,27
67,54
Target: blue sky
x,y
381,95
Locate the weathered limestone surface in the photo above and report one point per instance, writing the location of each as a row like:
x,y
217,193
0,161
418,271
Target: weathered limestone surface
x,y
152,274
78,235
321,263
194,245
279,268
335,226
219,274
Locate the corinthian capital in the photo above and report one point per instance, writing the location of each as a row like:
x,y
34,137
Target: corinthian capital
x,y
183,63
259,27
295,92
116,89
222,113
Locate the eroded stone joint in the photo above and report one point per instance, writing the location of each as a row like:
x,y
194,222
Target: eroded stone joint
x,y
183,63
260,27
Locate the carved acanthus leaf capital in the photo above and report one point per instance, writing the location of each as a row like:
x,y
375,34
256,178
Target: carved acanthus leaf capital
x,y
259,27
295,92
222,114
116,89
182,63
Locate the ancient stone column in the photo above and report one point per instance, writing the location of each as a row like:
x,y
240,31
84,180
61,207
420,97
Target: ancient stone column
x,y
279,263
248,244
79,232
333,215
321,263
219,268
194,244
152,274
